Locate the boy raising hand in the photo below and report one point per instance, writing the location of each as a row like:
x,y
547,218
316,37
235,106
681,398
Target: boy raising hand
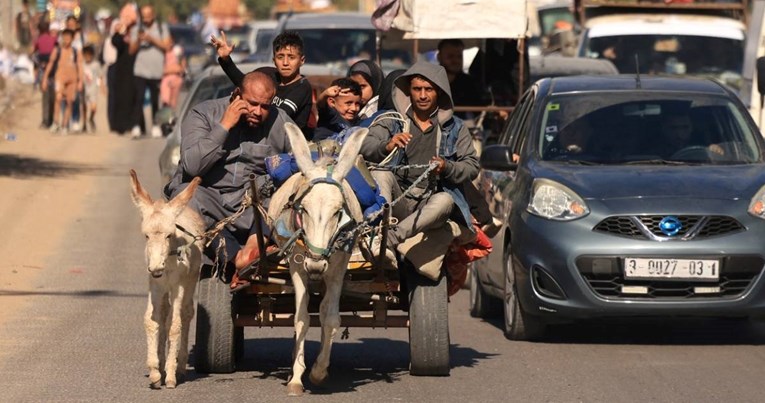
x,y
293,92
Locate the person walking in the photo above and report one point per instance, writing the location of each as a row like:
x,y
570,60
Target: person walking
x,y
66,70
42,50
122,90
148,43
172,81
23,27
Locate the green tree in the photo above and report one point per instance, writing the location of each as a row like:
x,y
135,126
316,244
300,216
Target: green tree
x,y
259,9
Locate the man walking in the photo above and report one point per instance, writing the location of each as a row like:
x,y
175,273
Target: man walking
x,y
149,43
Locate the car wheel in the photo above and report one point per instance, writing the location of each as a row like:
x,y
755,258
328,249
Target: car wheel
x,y
519,325
481,304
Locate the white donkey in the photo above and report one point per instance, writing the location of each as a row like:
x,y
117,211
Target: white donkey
x,y
174,257
323,205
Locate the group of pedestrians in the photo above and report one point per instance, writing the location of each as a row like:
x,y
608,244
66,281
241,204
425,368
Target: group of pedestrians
x,y
144,66
136,65
218,133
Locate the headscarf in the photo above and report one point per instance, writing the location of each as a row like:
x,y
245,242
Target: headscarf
x,y
370,71
386,90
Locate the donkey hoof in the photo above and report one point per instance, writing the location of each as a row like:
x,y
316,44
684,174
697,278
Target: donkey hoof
x,y
317,380
155,380
295,389
170,385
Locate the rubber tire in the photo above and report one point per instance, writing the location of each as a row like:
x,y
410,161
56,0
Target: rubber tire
x,y
482,305
518,325
215,350
428,326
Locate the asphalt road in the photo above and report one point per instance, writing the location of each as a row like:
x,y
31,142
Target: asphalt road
x,y
80,338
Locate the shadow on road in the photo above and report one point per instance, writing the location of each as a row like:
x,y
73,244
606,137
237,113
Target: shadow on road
x,y
79,294
15,166
656,331
352,365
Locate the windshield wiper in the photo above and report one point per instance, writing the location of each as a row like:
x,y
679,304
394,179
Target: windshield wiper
x,y
657,161
581,162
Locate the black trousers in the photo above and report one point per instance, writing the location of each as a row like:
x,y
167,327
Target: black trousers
x,y
111,102
141,84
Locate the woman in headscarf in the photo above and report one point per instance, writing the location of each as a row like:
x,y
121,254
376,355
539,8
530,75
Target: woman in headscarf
x,y
369,76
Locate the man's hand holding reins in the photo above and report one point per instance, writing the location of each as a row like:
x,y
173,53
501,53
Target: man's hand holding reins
x,y
440,167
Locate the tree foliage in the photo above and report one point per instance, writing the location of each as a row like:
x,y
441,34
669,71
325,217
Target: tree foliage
x,y
181,8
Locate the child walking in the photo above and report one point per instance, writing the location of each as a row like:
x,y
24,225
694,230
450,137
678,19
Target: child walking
x,y
93,82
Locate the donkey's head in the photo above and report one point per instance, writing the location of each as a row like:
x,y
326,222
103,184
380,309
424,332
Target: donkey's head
x,y
159,221
322,207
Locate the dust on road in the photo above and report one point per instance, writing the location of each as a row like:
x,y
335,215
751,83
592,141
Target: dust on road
x,y
44,179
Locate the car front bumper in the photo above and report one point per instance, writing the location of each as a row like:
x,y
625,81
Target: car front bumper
x,y
567,270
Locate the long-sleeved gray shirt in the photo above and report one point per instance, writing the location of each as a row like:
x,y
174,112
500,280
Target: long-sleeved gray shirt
x,y
225,159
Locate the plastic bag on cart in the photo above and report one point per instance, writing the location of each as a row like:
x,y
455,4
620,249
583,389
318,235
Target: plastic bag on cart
x,y
461,255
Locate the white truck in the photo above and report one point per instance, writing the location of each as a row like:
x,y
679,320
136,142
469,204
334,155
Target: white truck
x,y
680,37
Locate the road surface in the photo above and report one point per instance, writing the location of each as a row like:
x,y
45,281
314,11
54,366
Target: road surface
x,y
73,289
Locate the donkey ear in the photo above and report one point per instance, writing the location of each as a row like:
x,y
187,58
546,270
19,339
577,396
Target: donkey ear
x,y
141,198
348,154
299,148
179,202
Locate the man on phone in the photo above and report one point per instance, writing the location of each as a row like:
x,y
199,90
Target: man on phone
x,y
223,141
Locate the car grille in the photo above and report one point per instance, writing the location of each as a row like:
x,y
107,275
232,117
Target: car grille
x,y
647,227
737,273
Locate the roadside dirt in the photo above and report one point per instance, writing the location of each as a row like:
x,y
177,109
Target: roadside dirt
x,y
44,179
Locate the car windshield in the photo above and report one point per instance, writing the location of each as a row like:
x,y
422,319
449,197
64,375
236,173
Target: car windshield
x,y
700,56
209,88
341,46
238,36
646,128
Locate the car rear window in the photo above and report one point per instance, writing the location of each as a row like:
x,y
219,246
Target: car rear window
x,y
636,128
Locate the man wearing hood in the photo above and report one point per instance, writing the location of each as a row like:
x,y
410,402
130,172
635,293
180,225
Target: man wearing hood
x,y
431,134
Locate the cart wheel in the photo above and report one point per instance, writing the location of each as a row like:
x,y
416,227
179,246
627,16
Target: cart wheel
x,y
428,325
215,350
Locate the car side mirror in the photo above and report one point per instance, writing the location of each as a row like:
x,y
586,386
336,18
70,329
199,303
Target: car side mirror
x,y
761,76
498,158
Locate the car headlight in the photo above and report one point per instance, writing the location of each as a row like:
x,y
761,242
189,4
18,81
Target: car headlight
x,y
757,205
554,201
175,156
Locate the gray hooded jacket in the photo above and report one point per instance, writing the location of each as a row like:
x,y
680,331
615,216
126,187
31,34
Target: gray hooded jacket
x,y
456,143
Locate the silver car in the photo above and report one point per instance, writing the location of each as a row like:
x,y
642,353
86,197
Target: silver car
x,y
624,196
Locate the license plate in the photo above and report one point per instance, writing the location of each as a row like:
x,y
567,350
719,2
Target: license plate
x,y
680,269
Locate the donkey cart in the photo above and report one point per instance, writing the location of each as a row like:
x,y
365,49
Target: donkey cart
x,y
317,274
370,298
